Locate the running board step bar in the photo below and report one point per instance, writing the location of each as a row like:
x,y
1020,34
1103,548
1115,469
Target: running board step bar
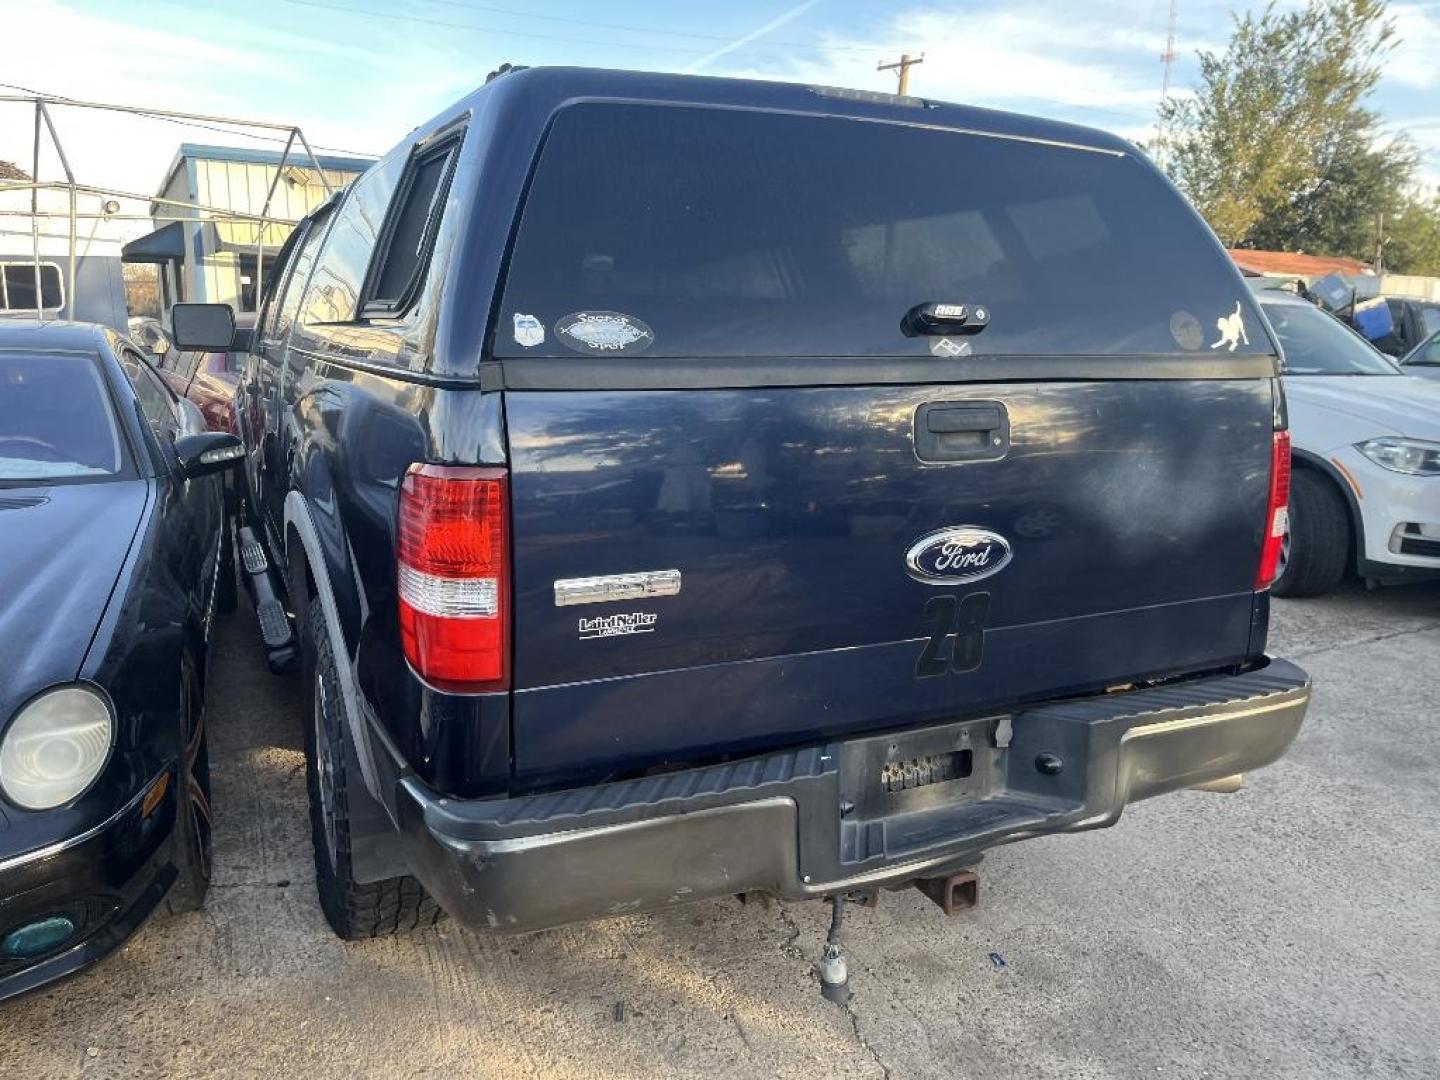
x,y
277,630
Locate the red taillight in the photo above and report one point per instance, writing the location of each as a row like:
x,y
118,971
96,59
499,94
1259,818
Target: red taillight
x,y
454,576
1277,514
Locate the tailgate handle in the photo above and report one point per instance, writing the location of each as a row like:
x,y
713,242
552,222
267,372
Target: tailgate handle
x,y
962,431
951,419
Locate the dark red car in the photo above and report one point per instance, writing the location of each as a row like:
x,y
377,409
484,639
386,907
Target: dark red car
x,y
208,379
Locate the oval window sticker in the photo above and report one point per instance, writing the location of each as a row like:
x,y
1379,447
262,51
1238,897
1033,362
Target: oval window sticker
x,y
1185,329
604,333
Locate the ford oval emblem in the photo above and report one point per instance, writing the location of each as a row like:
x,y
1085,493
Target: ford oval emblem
x,y
959,553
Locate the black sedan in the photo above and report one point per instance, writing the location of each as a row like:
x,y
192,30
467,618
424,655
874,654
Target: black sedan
x,y
113,560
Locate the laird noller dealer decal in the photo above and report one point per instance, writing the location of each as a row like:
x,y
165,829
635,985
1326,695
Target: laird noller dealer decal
x,y
631,622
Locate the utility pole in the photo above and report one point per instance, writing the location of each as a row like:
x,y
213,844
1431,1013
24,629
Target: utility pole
x,y
902,68
1167,58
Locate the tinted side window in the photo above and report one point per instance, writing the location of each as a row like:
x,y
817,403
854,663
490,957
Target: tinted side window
x,y
180,364
275,283
695,232
296,275
411,229
1427,354
155,399
187,364
334,292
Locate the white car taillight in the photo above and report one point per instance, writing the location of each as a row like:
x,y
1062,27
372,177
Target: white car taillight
x,y
453,576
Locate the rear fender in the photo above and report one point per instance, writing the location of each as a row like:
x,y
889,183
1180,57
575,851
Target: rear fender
x,y
326,567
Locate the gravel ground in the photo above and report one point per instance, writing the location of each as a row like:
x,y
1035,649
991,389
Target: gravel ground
x,y
1289,930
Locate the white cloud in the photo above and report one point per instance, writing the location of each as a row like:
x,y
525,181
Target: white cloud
x,y
759,32
218,66
1416,59
1026,55
1098,65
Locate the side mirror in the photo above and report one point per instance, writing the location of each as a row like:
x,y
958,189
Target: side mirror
x,y
208,452
202,327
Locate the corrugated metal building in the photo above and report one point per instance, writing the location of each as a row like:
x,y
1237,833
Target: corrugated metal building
x,y
212,259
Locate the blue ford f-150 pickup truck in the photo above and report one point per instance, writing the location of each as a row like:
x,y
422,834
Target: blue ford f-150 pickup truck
x,y
679,487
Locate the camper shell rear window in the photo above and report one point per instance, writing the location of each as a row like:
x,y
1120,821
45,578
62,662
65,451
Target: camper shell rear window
x,y
692,232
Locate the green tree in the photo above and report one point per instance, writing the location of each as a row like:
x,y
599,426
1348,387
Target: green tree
x,y
1276,146
1412,236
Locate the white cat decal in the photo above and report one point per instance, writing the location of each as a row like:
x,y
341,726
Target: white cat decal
x,y
1232,330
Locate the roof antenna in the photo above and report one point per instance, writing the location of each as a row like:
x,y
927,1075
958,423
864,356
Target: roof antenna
x,y
504,69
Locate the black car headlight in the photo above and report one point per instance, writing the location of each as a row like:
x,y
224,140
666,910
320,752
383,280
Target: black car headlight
x,y
55,746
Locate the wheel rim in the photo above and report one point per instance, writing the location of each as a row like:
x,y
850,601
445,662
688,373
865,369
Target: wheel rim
x,y
1284,560
324,768
197,797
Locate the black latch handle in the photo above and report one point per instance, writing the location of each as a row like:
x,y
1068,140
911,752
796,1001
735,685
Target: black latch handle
x,y
952,419
948,431
935,318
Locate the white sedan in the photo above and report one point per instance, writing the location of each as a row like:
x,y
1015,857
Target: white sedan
x,y
1365,488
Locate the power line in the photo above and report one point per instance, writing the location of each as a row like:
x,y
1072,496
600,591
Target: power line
x,y
478,28
450,25
693,35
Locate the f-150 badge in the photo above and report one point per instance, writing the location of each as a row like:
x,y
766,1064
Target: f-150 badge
x,y
957,553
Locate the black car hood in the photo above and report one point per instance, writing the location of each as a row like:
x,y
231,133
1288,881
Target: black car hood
x,y
61,549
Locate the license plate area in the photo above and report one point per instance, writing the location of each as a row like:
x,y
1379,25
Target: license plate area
x,y
898,776
917,770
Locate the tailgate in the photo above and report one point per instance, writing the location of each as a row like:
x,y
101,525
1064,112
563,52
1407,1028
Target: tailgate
x,y
789,515
707,381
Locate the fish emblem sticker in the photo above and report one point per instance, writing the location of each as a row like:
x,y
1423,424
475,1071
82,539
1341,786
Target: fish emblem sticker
x,y
608,333
957,553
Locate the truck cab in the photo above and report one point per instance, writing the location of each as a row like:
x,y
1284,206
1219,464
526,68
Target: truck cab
x,y
676,487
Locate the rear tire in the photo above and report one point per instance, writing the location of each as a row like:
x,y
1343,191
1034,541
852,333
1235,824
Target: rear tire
x,y
354,909
1319,538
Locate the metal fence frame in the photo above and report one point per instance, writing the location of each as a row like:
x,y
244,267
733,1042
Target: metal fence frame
x,y
44,123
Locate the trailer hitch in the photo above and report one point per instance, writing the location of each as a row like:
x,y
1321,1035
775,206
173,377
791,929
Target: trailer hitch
x,y
954,893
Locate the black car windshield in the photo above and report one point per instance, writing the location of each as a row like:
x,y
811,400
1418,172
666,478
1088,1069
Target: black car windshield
x,y
1318,344
55,419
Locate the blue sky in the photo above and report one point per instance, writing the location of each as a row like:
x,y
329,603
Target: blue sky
x,y
356,76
